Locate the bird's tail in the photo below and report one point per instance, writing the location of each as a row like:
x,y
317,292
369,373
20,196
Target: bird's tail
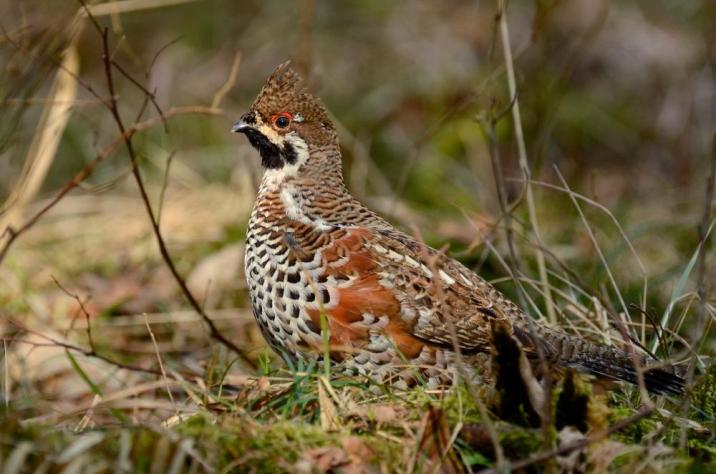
x,y
606,361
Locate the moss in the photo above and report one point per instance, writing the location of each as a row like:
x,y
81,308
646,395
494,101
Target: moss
x,y
703,399
702,445
266,447
519,443
634,432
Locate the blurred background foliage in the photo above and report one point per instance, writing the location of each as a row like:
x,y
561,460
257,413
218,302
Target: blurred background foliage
x,y
619,96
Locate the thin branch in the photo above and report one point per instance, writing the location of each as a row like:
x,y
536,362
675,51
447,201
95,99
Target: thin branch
x,y
230,81
147,93
160,51
85,352
83,310
11,234
165,183
114,110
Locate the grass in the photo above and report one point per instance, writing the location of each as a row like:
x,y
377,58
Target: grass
x,y
274,424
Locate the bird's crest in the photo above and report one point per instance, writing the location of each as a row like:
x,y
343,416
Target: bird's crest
x,y
284,92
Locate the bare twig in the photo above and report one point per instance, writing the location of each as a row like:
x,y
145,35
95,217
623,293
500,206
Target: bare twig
x,y
147,93
230,82
52,342
114,110
11,234
83,310
165,183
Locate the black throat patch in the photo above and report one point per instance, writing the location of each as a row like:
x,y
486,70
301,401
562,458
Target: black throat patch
x,y
271,156
289,153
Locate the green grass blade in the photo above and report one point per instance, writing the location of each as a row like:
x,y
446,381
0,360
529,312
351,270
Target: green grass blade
x,y
680,286
93,386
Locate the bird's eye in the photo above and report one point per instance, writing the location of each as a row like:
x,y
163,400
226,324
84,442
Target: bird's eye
x,y
282,120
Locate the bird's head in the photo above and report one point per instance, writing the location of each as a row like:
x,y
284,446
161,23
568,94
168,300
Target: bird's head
x,y
286,123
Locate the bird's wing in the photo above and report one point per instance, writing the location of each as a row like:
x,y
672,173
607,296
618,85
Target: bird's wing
x,y
382,278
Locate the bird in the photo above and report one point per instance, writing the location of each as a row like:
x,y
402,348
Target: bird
x,y
329,278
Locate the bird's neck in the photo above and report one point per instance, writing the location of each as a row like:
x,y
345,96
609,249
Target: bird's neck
x,y
322,169
308,194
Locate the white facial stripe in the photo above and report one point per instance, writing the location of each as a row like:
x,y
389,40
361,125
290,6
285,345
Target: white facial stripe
x,y
299,145
270,133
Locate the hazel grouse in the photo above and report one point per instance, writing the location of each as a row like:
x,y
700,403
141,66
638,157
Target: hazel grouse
x,y
393,306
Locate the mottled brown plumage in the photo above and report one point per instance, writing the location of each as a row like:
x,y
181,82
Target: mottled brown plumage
x,y
390,302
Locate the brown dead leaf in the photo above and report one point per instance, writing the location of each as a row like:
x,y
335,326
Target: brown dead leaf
x,y
263,383
380,414
322,460
434,443
356,448
353,458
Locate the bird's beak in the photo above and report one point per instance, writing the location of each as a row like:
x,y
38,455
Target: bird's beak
x,y
240,127
245,123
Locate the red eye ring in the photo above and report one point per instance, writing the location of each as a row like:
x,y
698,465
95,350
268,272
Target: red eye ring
x,y
281,120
